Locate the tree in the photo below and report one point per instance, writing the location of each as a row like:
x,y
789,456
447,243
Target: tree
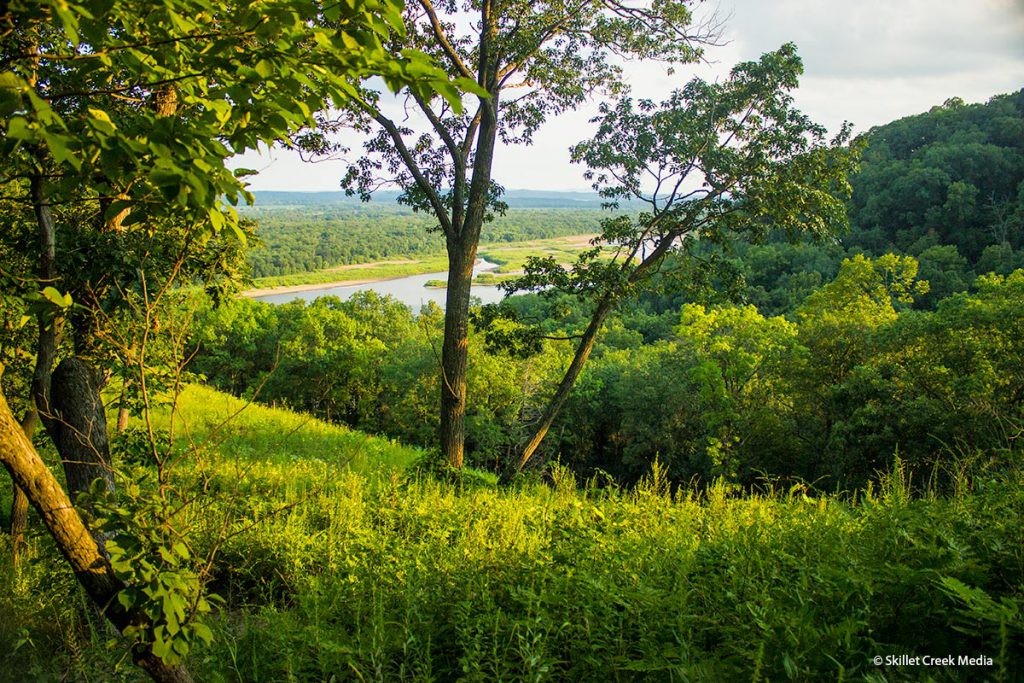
x,y
839,325
526,61
129,112
712,163
952,176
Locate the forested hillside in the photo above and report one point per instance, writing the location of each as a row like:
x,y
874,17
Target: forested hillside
x,y
951,176
945,186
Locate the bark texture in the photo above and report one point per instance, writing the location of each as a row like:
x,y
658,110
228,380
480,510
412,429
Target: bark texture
x,y
76,544
454,354
79,426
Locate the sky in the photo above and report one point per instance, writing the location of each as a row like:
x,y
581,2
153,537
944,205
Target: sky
x,y
865,61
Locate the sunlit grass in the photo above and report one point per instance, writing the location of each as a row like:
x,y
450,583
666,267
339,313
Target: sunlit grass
x,y
404,576
253,432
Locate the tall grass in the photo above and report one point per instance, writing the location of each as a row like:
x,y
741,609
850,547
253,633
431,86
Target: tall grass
x,y
393,575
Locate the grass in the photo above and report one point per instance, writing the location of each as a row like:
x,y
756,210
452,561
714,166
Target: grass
x,y
511,258
252,432
361,573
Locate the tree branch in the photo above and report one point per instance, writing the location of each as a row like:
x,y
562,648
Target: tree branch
x,y
410,162
442,39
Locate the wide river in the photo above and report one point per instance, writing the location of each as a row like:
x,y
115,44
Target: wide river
x,y
409,290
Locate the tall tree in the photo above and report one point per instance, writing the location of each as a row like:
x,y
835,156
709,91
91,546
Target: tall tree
x,y
529,61
711,164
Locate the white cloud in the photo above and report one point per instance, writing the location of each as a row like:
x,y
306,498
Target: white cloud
x,y
866,61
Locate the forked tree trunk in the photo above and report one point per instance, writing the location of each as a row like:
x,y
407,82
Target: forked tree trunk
x,y
76,544
462,246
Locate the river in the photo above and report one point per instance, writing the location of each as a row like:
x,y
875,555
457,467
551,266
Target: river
x,y
409,290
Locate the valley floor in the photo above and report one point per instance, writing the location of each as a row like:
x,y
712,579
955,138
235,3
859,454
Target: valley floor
x,y
510,257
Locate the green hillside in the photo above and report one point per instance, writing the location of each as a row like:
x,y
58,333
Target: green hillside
x,y
336,573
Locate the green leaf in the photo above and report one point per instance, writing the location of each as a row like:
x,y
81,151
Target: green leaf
x,y
161,648
19,128
10,93
216,219
203,632
59,150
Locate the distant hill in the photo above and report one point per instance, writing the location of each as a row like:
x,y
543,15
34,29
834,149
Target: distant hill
x,y
521,199
951,176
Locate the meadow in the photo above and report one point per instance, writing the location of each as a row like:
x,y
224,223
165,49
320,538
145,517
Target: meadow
x,y
354,559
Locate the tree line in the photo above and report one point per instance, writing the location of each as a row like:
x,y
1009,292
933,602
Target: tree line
x,y
300,239
829,394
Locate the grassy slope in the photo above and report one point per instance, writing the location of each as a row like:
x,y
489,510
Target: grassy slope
x,y
275,436
403,577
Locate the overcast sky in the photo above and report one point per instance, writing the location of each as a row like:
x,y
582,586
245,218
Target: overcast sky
x,y
865,61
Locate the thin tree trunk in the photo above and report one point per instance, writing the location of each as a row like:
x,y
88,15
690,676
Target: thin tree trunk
x,y
76,544
122,408
605,306
583,350
46,346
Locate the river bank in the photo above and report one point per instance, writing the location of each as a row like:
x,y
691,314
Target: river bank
x,y
504,260
344,276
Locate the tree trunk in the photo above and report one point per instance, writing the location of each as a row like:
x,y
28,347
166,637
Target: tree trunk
x,y
605,306
462,246
583,350
454,353
19,501
79,426
46,346
73,539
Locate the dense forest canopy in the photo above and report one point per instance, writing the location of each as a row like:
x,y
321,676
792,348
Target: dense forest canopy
x,y
951,176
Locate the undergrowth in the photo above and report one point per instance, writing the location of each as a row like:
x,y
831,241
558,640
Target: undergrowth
x,y
396,574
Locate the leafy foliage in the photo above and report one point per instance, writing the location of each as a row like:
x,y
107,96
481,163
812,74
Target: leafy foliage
x,y
951,176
